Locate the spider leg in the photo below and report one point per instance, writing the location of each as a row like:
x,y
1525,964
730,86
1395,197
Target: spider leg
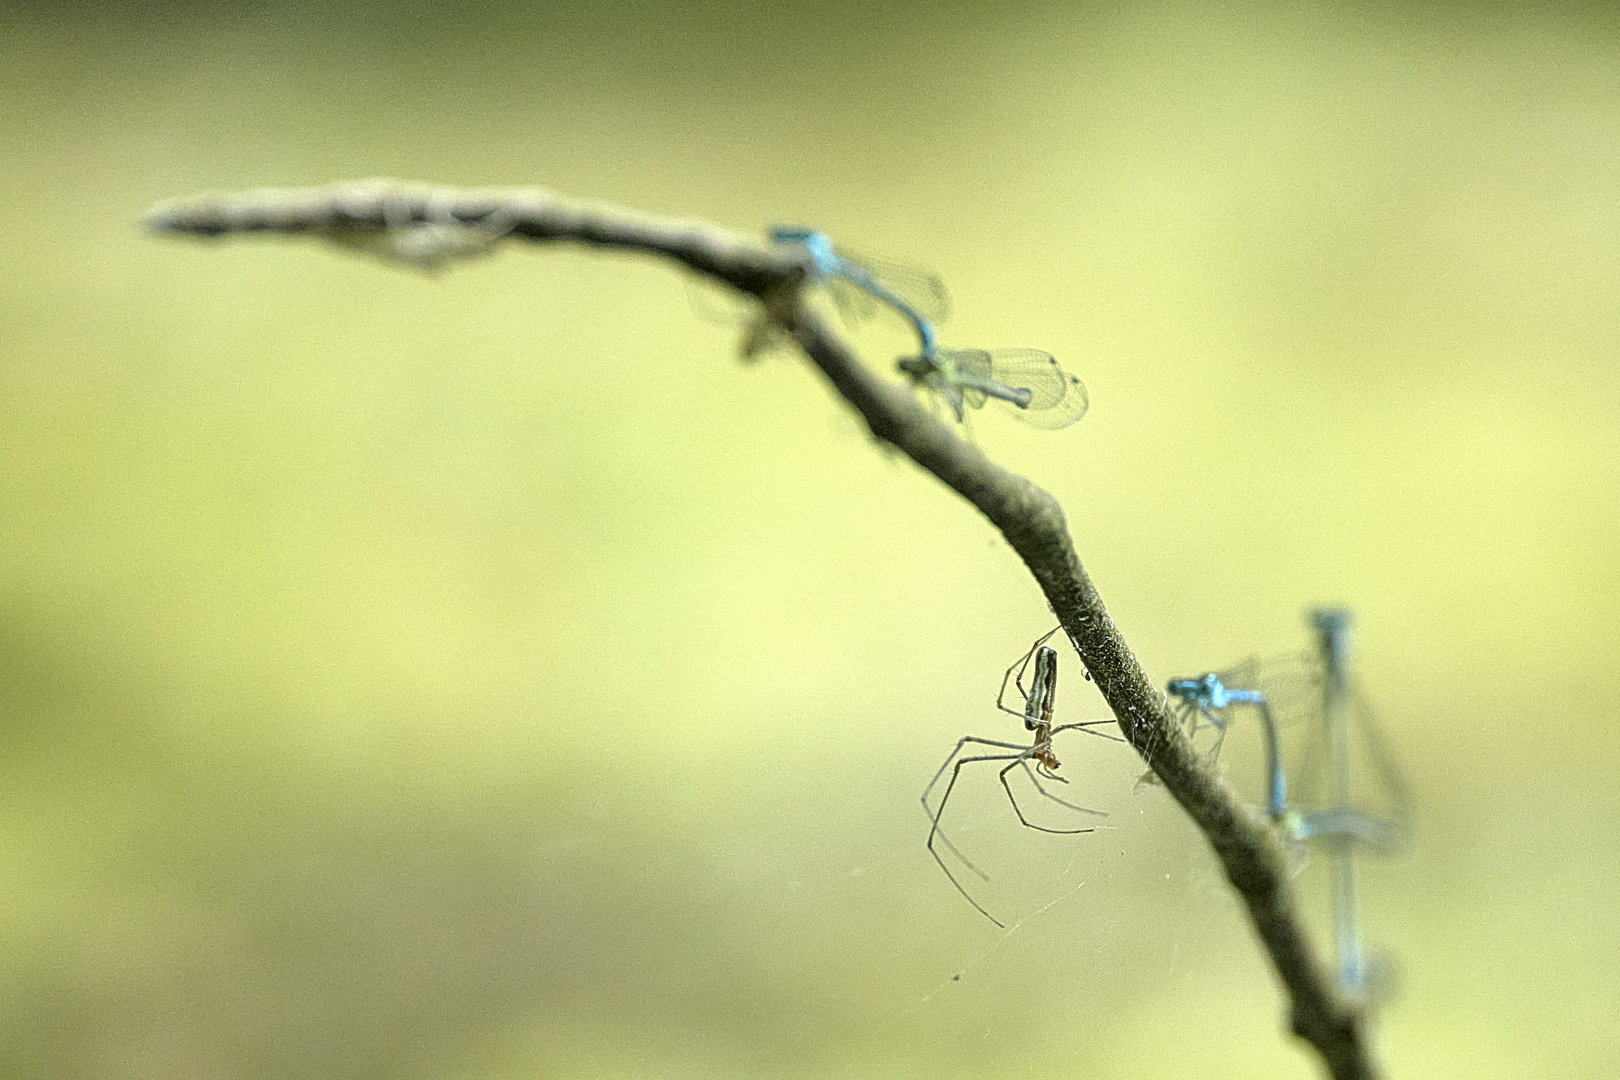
x,y
963,741
933,815
1054,798
1020,665
1018,681
933,832
1024,760
1085,726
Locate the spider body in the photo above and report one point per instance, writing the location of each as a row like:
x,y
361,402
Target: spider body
x,y
1039,701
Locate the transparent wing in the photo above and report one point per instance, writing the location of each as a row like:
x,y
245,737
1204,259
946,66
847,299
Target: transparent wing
x,y
718,304
855,305
922,289
1057,399
973,363
1378,787
725,306
1292,683
1243,675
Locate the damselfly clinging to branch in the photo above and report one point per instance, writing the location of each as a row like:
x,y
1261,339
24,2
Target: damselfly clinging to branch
x,y
855,282
1028,382
1209,695
1283,692
1039,699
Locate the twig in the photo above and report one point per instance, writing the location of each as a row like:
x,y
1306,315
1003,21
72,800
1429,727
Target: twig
x,y
370,214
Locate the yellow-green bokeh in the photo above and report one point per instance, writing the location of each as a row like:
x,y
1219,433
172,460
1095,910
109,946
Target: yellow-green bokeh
x,y
486,676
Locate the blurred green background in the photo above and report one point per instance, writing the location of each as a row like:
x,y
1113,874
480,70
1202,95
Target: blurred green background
x,y
486,676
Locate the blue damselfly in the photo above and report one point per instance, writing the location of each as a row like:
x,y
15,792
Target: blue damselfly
x,y
858,283
1029,383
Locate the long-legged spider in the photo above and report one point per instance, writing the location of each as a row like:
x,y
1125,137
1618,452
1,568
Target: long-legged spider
x,y
1039,699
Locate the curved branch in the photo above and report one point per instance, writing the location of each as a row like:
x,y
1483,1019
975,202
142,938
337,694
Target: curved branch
x,y
367,214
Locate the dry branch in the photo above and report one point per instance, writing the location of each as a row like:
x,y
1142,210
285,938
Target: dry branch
x,y
429,226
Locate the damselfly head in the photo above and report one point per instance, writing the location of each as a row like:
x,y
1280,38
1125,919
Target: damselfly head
x,y
817,243
918,367
1186,689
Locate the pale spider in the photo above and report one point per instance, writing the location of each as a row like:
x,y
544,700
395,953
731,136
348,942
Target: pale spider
x,y
1037,716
